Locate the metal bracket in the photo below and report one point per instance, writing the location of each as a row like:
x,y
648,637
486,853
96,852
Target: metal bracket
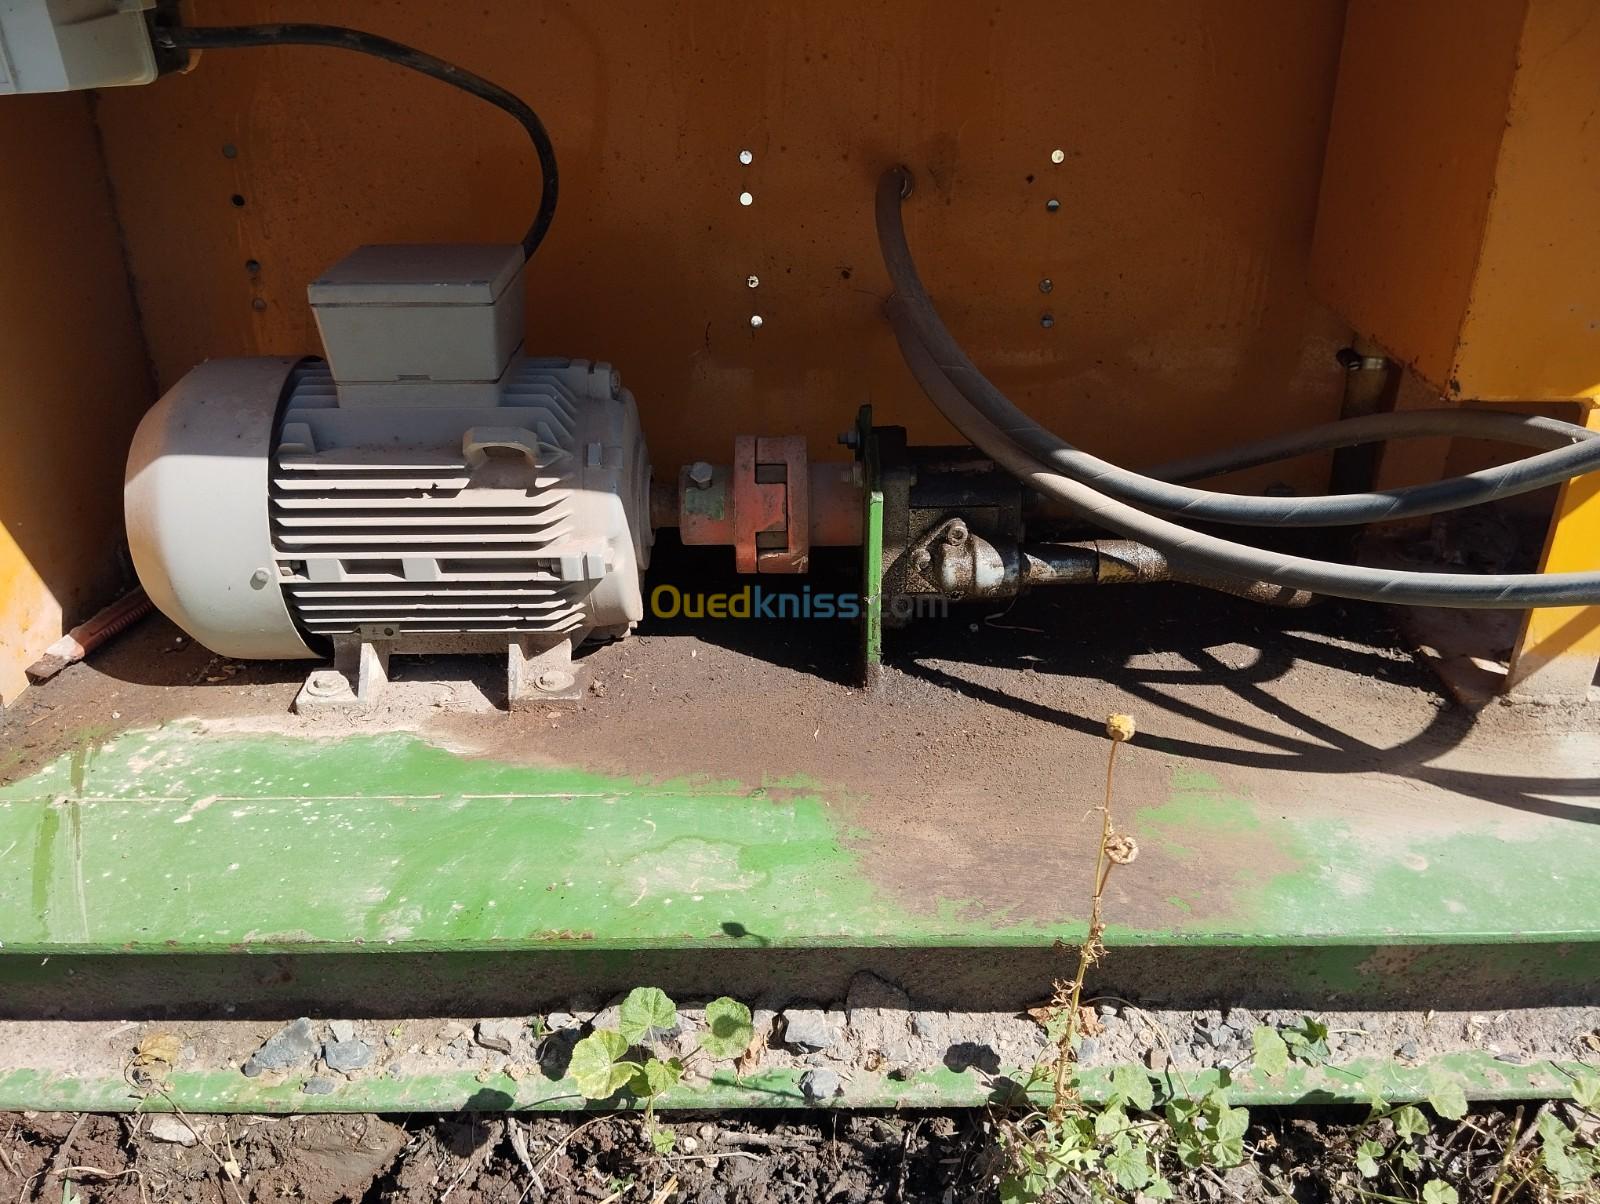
x,y
359,673
870,667
537,675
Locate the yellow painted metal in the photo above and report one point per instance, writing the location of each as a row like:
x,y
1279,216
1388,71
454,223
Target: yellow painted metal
x,y
1191,145
1456,224
1559,650
1532,330
73,376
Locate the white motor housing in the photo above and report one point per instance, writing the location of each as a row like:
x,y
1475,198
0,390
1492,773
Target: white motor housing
x,y
274,510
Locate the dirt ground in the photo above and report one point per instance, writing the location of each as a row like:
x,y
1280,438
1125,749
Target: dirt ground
x,y
775,1158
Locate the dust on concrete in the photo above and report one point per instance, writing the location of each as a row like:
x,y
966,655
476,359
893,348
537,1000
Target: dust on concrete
x,y
972,773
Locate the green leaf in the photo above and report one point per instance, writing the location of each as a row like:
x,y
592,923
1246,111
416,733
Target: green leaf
x,y
1133,1085
1158,1189
729,1030
1128,1164
1228,1153
659,1075
1367,1155
1309,1042
1232,1123
595,1066
1110,1121
1409,1121
1445,1095
1271,1054
1182,1110
1586,1093
1411,1160
1437,1191
1190,1150
663,1139
646,1012
1023,1189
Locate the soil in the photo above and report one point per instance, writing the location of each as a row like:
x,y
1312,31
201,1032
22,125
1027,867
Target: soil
x,y
770,1158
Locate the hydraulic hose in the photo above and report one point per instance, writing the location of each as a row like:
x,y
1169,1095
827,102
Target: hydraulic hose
x,y
1209,554
1164,497
337,37
1531,430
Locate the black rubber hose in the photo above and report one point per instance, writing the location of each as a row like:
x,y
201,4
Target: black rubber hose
x,y
1531,430
230,37
1209,554
1506,480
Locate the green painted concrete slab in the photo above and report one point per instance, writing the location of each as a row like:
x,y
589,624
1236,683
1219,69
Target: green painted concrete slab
x,y
179,841
1480,1076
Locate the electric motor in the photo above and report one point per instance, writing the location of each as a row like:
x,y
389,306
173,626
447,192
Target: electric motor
x,y
427,489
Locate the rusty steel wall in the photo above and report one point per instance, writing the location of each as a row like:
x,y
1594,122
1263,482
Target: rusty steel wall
x,y
1192,140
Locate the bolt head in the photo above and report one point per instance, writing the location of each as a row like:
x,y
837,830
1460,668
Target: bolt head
x,y
921,559
325,682
956,534
552,681
701,474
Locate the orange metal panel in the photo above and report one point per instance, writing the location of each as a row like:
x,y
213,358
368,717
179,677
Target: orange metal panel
x,y
1457,224
1532,329
1421,103
73,377
1192,146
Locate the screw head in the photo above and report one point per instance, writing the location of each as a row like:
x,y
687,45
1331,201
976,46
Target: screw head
x,y
1058,155
1052,204
259,579
753,281
701,474
922,559
1047,320
553,681
956,533
1046,285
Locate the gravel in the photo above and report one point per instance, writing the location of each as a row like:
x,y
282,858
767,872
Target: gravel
x,y
810,1030
294,1045
821,1084
347,1056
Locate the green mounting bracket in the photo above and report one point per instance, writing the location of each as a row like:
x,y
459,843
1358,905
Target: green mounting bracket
x,y
871,550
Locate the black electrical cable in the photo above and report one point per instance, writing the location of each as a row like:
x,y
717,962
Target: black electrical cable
x,y
1163,497
336,37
